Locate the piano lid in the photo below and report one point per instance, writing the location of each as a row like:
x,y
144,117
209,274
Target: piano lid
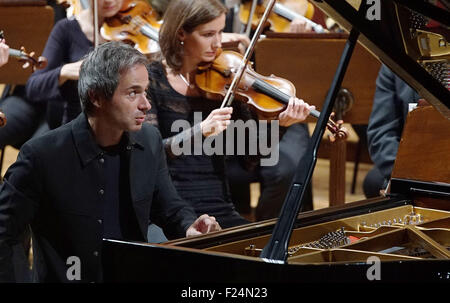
x,y
410,36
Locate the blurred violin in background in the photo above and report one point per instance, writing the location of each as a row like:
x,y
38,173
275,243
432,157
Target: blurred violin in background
x,y
283,13
136,23
27,58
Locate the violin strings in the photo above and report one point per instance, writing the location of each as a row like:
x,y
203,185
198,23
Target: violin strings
x,y
271,91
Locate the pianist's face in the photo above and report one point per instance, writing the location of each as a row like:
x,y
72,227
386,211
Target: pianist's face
x,y
127,109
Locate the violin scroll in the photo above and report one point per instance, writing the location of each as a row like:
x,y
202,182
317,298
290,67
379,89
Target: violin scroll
x,y
27,59
338,132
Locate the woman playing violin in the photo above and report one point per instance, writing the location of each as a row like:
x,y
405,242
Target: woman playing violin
x,y
68,42
191,37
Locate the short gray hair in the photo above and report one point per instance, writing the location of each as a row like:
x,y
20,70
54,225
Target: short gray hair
x,y
101,69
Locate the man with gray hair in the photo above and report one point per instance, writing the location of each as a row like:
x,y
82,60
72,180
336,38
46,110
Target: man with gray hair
x,y
103,175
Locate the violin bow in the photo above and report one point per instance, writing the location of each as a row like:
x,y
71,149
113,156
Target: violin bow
x,y
228,99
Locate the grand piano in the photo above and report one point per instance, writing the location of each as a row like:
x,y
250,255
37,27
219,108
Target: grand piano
x,y
403,236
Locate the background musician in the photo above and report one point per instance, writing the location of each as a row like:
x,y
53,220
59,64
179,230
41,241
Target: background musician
x,y
118,179
189,40
228,36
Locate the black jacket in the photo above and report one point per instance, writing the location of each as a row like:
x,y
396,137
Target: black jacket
x,y
56,186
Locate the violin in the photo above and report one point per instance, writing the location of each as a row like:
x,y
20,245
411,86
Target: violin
x,y
27,58
269,96
136,23
281,16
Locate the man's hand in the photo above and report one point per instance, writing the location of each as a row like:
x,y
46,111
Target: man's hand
x,y
204,224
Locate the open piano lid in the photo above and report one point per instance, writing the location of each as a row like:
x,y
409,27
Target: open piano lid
x,y
410,36
401,38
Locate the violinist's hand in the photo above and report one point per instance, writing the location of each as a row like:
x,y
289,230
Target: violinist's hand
x,y
244,41
216,122
70,71
300,26
4,52
296,111
204,224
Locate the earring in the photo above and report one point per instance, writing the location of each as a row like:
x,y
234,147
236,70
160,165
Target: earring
x,y
182,42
